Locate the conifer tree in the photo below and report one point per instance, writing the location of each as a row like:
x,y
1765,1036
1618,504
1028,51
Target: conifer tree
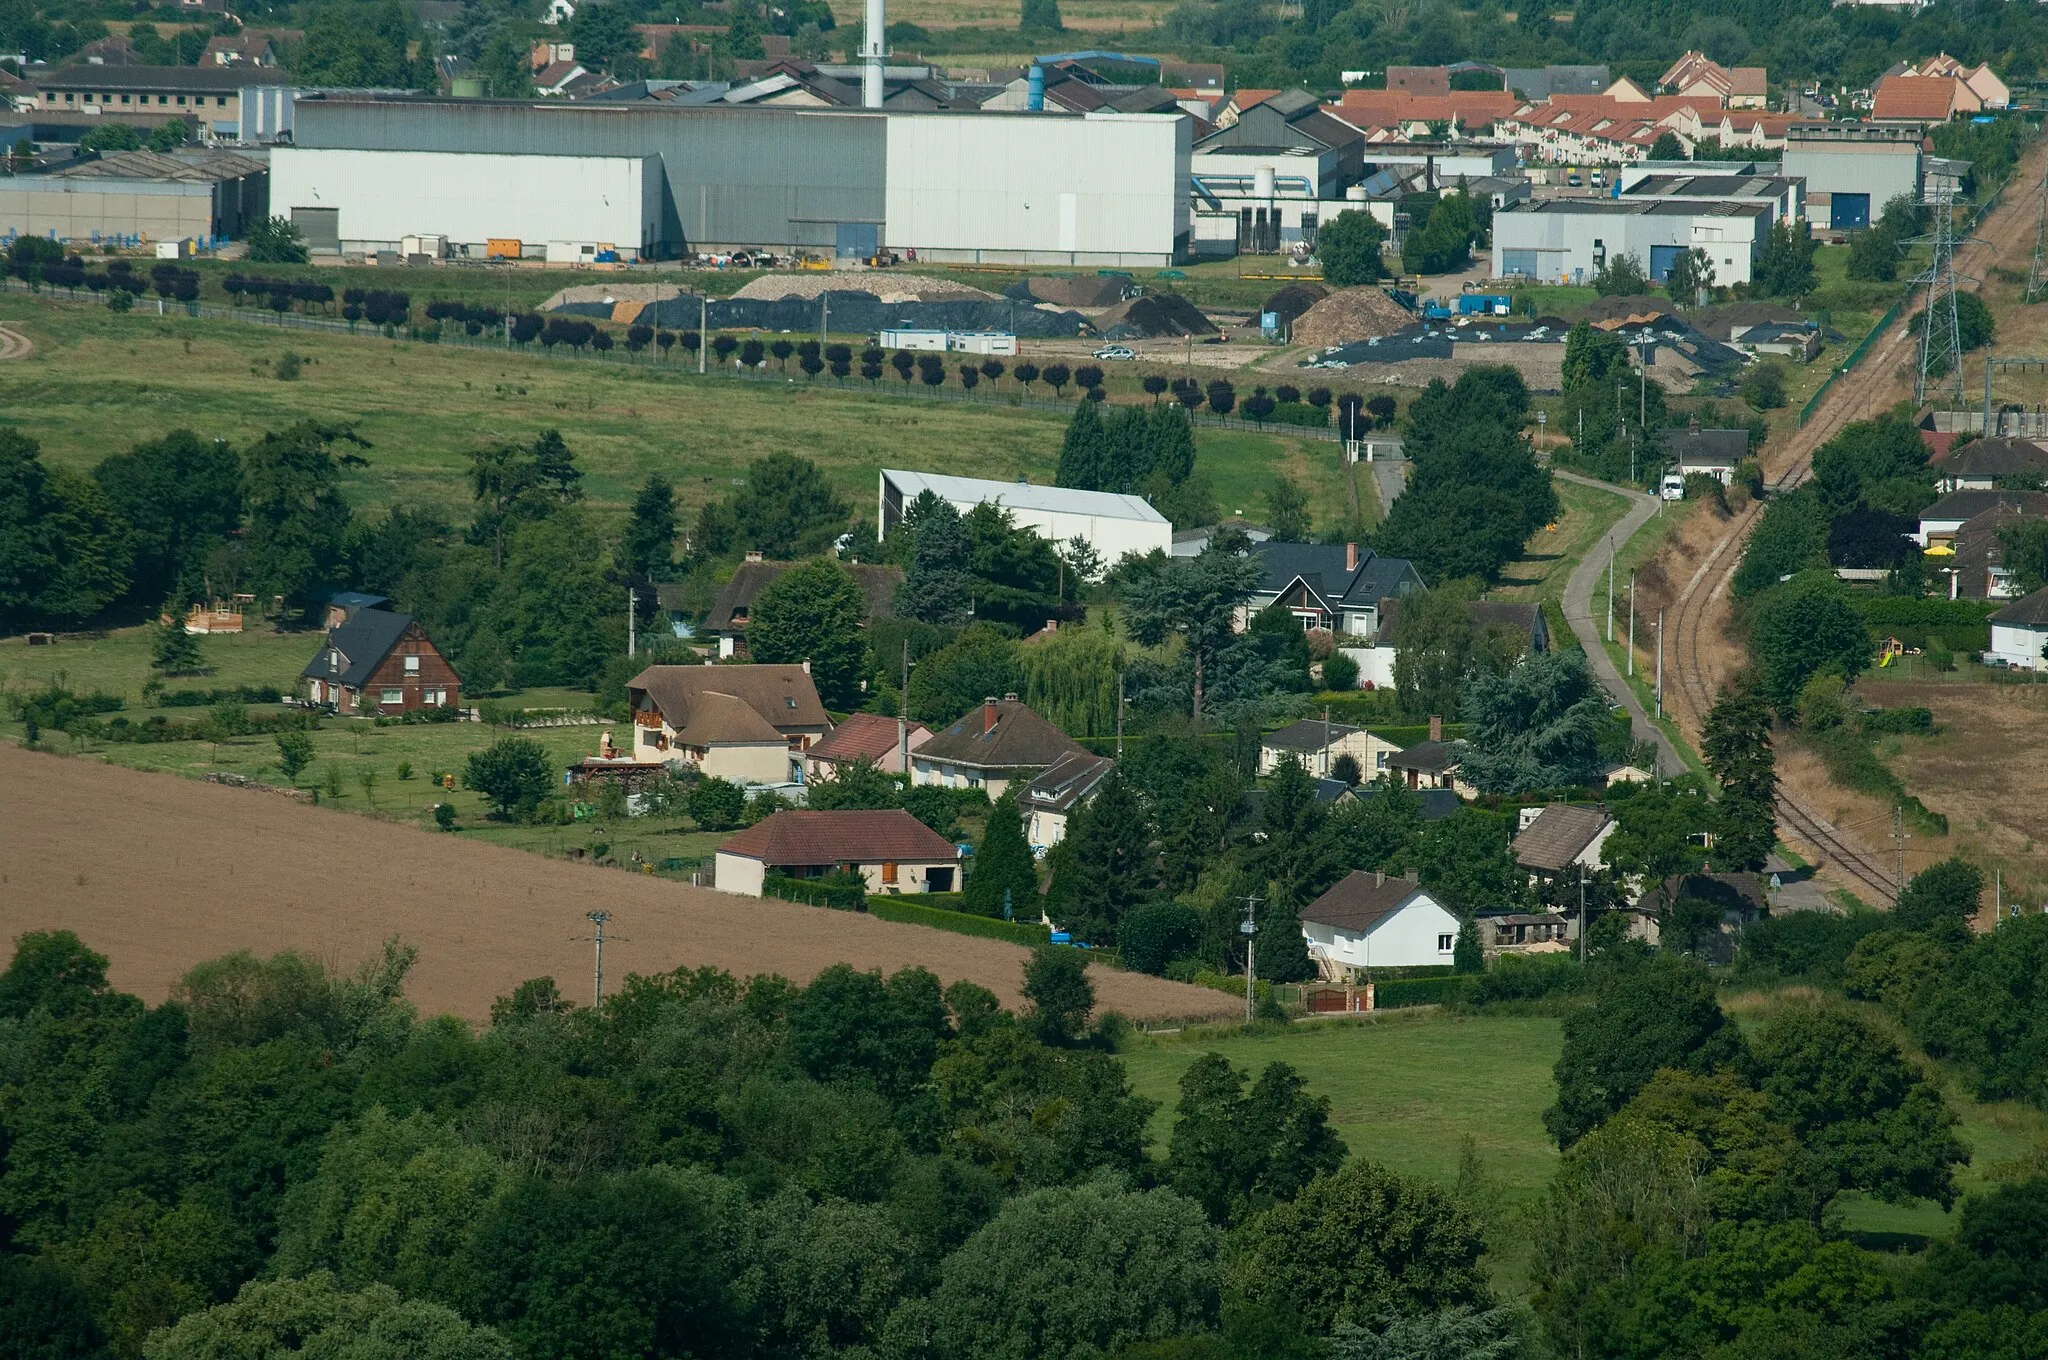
x,y
1002,866
1737,746
1080,464
1106,866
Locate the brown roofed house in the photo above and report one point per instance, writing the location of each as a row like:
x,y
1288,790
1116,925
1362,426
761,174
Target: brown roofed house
x,y
1560,836
750,724
1913,99
1369,920
1982,463
997,743
864,736
727,620
892,850
1058,790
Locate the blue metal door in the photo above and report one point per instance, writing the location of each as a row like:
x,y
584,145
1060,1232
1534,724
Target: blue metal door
x,y
857,240
1662,258
1849,212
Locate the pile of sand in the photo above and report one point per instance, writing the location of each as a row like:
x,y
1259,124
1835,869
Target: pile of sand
x,y
1604,312
1154,315
888,287
611,294
1352,314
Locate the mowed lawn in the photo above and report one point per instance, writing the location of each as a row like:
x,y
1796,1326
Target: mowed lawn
x,y
1404,1090
100,382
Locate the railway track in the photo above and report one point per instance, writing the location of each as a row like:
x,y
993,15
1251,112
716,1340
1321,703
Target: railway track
x,y
1702,604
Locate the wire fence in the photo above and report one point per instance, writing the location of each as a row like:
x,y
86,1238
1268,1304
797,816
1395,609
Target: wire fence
x,y
683,370
1856,356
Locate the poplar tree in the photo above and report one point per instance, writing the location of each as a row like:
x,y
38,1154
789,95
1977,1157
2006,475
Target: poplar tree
x,y
1737,746
1080,464
1002,866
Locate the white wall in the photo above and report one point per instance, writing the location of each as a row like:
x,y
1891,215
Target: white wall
x,y
738,874
472,197
1106,189
2019,644
1375,664
748,763
1406,939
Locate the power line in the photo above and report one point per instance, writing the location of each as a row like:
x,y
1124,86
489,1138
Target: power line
x,y
599,920
1941,340
2037,275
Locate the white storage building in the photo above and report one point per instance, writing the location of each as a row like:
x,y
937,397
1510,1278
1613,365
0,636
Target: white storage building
x,y
1114,525
369,201
1103,189
1852,170
1569,240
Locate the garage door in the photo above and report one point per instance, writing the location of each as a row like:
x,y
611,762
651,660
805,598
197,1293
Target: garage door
x,y
320,226
1662,258
1521,263
1850,212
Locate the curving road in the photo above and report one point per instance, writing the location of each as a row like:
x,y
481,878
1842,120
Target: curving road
x,y
1579,589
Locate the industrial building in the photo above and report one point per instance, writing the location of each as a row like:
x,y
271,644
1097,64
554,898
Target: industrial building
x,y
1115,525
1103,189
1569,240
224,102
202,196
1736,182
1852,170
363,202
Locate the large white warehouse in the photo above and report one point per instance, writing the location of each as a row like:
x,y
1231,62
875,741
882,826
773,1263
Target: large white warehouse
x,y
1114,525
367,201
1569,240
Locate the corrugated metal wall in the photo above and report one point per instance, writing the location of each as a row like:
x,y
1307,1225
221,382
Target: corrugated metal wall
x,y
736,177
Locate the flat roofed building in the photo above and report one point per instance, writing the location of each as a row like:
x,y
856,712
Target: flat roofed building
x,y
1852,169
1785,196
211,96
202,196
1115,525
1571,240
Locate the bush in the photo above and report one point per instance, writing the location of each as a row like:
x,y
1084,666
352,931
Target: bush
x,y
716,804
1339,672
842,891
1405,992
1532,977
1813,946
1914,721
1154,935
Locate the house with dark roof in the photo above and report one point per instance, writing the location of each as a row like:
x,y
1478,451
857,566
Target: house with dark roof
x,y
2019,633
1437,804
1332,587
1714,453
1431,764
382,660
1370,920
1977,567
872,737
1940,521
749,724
1541,82
1054,794
892,850
997,743
729,614
1982,464
1561,837
1317,745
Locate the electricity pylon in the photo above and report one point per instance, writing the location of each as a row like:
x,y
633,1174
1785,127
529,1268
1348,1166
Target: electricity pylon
x,y
1941,343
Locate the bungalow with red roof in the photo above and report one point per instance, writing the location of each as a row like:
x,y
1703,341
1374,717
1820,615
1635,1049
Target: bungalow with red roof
x,y
892,850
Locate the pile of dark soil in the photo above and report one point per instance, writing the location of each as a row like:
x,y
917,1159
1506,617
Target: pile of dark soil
x,y
1290,302
1153,315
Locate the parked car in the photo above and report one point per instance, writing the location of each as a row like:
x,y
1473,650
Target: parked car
x,y
1572,180
1116,352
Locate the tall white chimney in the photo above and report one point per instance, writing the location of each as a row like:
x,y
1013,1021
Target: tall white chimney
x,y
873,51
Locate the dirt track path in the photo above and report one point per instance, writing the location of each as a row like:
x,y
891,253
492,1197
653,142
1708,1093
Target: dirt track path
x,y
14,345
1699,637
159,872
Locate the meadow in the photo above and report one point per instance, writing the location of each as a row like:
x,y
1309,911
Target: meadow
x,y
424,407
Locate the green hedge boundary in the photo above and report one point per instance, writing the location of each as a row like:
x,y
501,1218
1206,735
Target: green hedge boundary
x,y
959,922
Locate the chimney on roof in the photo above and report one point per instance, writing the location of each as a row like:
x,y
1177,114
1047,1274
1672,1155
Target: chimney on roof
x,y
807,665
754,555
1436,729
988,714
1351,557
1692,423
1011,697
1379,878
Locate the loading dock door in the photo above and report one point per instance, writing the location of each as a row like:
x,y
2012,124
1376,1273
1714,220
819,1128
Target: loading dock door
x,y
857,240
1849,212
320,226
1662,258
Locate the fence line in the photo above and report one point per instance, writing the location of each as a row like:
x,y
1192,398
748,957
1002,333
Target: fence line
x,y
1856,356
627,359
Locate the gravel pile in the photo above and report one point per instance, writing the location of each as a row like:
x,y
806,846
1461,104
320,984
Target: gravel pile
x,y
886,286
1352,314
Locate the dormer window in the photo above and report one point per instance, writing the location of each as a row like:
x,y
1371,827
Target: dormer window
x,y
333,660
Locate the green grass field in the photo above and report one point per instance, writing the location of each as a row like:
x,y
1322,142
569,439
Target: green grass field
x,y
424,407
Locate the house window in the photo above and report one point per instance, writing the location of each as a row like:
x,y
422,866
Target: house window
x,y
220,101
412,665
1379,760
392,696
650,736
888,872
437,697
181,101
334,661
1445,943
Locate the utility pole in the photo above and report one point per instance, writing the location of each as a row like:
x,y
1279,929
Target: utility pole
x,y
1326,741
598,919
632,624
1899,845
824,317
1660,664
703,332
1249,928
903,717
1582,913
1119,715
1631,623
1642,397
1610,587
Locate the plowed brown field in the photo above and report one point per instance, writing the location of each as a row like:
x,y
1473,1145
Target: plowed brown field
x,y
159,872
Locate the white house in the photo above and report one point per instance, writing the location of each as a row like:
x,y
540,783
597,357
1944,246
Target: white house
x,y
1050,799
2020,631
998,743
1317,745
1373,921
1113,524
892,850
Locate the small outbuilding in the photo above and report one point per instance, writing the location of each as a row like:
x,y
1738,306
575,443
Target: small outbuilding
x,y
2019,633
892,850
1370,920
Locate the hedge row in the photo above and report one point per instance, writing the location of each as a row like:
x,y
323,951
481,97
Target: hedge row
x,y
959,922
206,698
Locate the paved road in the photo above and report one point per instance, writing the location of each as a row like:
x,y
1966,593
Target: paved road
x,y
1579,592
1389,478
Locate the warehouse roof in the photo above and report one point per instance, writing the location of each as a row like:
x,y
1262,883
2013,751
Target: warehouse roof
x,y
1708,186
1622,207
167,79
1056,500
198,167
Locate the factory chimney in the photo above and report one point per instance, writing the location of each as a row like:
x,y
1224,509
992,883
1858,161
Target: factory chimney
x,y
1034,89
873,51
